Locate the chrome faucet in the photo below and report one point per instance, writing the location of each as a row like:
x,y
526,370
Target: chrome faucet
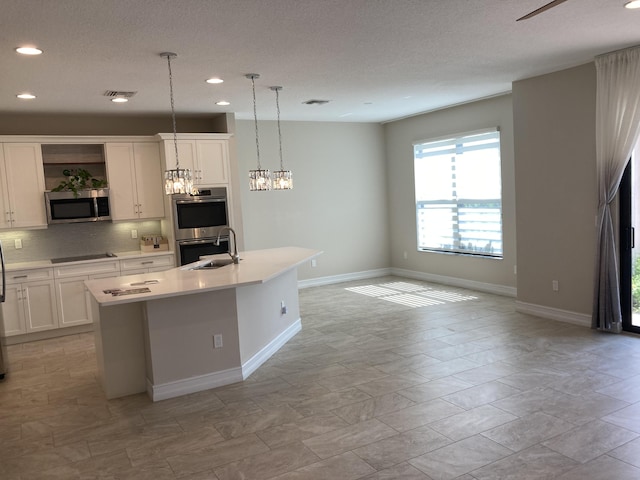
x,y
234,255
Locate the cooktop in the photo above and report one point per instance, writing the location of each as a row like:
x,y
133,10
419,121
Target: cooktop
x,y
83,257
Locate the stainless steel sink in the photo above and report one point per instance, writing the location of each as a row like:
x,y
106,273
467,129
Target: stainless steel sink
x,y
213,264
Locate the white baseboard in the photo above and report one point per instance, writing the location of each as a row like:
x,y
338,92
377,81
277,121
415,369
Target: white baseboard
x,y
567,316
272,347
224,377
193,384
344,277
457,282
46,334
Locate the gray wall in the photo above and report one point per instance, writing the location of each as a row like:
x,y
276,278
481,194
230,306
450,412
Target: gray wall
x,y
339,200
399,137
556,196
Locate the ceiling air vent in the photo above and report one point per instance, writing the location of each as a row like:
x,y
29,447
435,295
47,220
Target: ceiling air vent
x,y
315,102
117,93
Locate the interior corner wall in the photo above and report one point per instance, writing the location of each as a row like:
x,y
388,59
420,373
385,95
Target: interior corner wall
x,y
400,136
556,195
339,200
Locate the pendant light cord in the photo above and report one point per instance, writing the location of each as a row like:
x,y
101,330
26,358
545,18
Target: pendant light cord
x,y
255,117
277,89
173,111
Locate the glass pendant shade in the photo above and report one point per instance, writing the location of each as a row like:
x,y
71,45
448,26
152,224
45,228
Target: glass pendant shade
x,y
259,180
282,180
178,180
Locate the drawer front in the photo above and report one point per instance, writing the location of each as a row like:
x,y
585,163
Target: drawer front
x,y
165,261
21,276
93,268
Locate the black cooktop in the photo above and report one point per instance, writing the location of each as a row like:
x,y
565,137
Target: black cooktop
x,y
83,257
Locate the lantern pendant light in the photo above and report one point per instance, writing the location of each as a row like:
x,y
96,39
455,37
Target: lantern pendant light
x,y
176,180
259,179
282,179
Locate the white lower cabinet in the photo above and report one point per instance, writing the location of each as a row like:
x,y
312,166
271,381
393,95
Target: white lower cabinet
x,y
56,297
30,304
73,306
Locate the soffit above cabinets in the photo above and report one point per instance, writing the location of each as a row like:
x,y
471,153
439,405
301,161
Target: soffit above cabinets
x,y
67,154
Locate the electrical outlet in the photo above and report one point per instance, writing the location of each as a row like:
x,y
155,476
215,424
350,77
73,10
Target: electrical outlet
x,y
217,341
314,262
554,285
283,308
134,233
405,255
18,243
515,269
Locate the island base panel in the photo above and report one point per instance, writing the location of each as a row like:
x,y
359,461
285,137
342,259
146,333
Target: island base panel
x,y
181,335
119,339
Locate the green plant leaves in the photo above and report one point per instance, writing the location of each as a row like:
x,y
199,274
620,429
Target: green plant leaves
x,y
78,179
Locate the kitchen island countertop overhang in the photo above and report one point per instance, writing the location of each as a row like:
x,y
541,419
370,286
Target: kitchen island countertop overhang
x,y
162,338
256,266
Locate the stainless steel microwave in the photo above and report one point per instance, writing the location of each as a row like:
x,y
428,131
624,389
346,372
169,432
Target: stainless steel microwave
x,y
83,206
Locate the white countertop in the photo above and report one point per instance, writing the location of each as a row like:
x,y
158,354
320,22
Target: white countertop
x,y
118,256
256,266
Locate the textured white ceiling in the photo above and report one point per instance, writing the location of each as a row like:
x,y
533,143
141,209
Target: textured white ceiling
x,y
375,60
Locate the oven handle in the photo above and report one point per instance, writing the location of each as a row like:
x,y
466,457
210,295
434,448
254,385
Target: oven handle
x,y
199,200
202,240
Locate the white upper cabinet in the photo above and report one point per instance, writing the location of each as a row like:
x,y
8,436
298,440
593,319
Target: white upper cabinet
x,y
135,180
207,158
213,162
22,185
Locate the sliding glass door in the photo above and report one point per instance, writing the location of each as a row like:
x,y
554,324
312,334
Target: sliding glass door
x,y
629,198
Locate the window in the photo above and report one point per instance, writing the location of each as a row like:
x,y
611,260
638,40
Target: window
x,y
458,194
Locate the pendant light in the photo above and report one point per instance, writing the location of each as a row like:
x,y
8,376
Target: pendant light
x,y
176,180
259,179
282,179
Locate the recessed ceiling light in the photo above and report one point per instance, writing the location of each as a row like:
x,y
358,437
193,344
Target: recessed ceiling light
x,y
26,96
119,100
223,103
29,50
215,80
632,4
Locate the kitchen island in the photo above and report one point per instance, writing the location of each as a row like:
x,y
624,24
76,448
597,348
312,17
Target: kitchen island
x,y
185,330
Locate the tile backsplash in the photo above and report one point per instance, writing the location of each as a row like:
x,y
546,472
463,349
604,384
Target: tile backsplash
x,y
74,239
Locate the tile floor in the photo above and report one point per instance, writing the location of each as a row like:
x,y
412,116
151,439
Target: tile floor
x,y
389,379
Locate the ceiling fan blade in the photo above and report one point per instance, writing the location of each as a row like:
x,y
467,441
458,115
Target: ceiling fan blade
x,y
544,8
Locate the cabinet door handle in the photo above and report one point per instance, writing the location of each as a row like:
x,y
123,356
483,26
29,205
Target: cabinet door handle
x,y
149,262
19,276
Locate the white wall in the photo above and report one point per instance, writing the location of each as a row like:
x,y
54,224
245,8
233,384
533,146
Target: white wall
x,y
339,200
399,137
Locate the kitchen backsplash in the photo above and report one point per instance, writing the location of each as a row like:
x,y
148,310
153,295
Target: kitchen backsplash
x,y
74,239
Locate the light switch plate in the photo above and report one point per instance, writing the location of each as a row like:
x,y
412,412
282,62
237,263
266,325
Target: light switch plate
x,y
18,243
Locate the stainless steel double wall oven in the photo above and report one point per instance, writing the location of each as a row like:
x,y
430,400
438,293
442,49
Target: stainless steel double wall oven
x,y
198,220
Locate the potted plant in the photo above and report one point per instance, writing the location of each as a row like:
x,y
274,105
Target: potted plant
x,y
78,179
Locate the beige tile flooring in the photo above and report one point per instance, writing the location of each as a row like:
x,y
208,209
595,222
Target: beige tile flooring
x,y
389,379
